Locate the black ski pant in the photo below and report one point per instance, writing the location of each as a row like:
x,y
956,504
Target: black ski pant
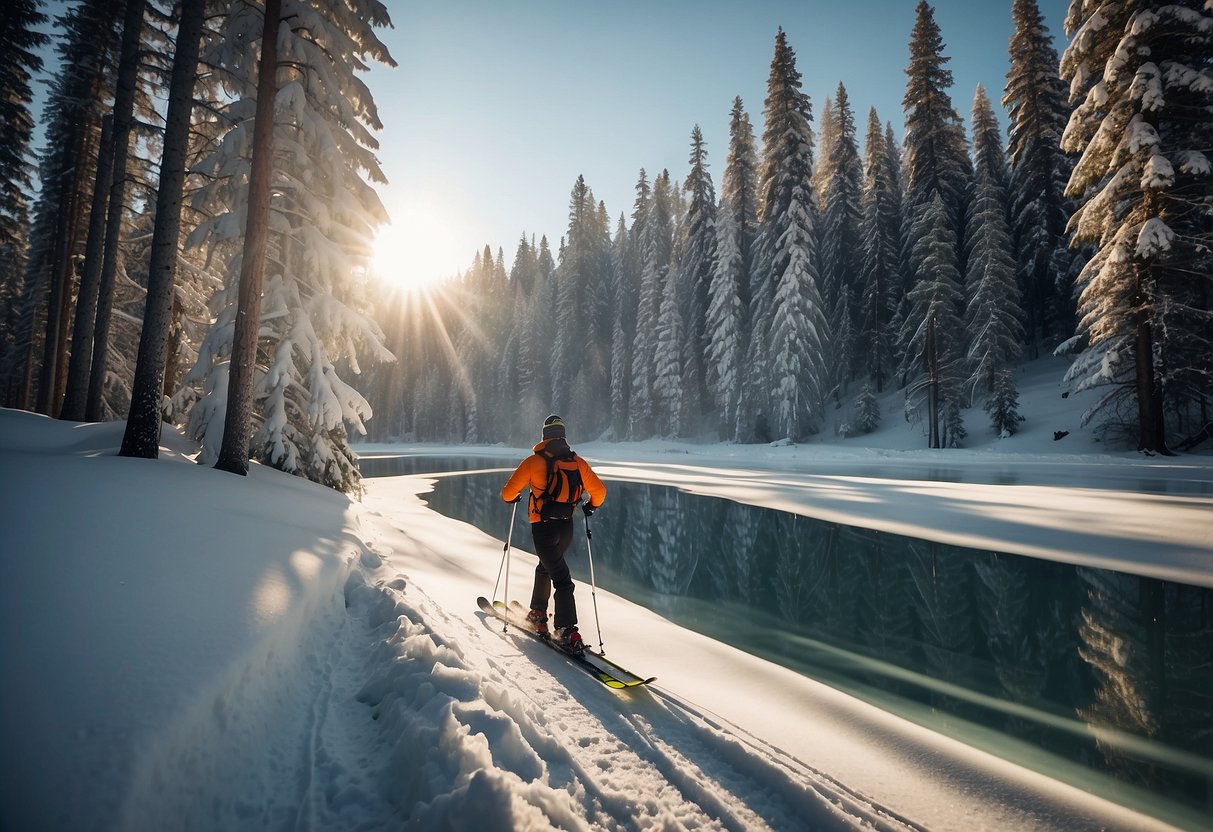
x,y
552,539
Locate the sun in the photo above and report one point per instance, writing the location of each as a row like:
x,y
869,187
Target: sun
x,y
417,250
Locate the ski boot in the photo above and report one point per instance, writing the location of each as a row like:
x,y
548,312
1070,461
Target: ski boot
x,y
539,620
569,640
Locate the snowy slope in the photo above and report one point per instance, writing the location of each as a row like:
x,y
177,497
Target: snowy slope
x,y
187,649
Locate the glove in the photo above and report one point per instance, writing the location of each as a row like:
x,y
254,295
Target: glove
x,y
516,499
588,508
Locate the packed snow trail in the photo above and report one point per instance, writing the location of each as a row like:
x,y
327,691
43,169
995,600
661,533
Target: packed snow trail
x,y
532,742
380,710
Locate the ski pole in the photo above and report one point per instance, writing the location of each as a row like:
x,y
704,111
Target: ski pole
x,y
505,564
593,587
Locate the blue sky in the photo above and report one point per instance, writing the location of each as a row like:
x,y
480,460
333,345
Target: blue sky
x,y
496,108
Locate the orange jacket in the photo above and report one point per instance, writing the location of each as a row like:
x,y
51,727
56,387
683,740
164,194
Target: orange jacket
x,y
533,472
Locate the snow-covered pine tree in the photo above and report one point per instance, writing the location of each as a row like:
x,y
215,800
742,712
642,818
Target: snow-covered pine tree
x,y
880,241
1140,75
19,42
476,347
1035,101
656,241
623,327
670,361
932,333
570,318
1002,403
841,245
739,186
991,320
936,151
827,134
740,198
540,323
498,385
525,285
602,294
867,412
696,262
725,319
323,217
581,379
789,327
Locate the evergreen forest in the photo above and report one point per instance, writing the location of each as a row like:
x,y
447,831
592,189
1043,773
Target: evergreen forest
x,y
191,247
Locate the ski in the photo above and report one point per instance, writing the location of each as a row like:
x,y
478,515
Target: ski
x,y
598,666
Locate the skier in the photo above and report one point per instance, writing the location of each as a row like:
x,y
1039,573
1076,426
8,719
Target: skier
x,y
557,478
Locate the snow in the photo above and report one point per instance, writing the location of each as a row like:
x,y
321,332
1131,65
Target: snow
x,y
187,649
1154,238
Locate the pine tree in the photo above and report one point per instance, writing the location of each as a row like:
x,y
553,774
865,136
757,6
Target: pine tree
x,y
19,42
789,324
1139,75
67,169
623,330
656,244
525,281
841,248
827,132
572,320
992,326
931,334
739,201
725,320
233,454
739,186
880,235
323,214
1035,101
936,156
142,435
669,362
1002,404
867,412
696,263
124,123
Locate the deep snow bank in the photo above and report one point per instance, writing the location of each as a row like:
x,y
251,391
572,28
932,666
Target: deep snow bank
x,y
145,606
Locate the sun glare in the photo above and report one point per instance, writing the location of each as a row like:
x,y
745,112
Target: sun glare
x,y
417,251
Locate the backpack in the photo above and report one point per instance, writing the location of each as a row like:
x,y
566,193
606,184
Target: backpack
x,y
563,489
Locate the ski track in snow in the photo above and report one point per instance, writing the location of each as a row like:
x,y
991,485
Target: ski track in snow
x,y
536,744
372,709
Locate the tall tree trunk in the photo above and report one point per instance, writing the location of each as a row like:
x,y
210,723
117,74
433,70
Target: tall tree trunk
x,y
47,403
86,305
142,436
170,350
238,419
1151,431
124,108
932,384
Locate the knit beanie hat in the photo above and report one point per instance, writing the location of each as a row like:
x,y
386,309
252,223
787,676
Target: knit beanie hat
x,y
553,426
